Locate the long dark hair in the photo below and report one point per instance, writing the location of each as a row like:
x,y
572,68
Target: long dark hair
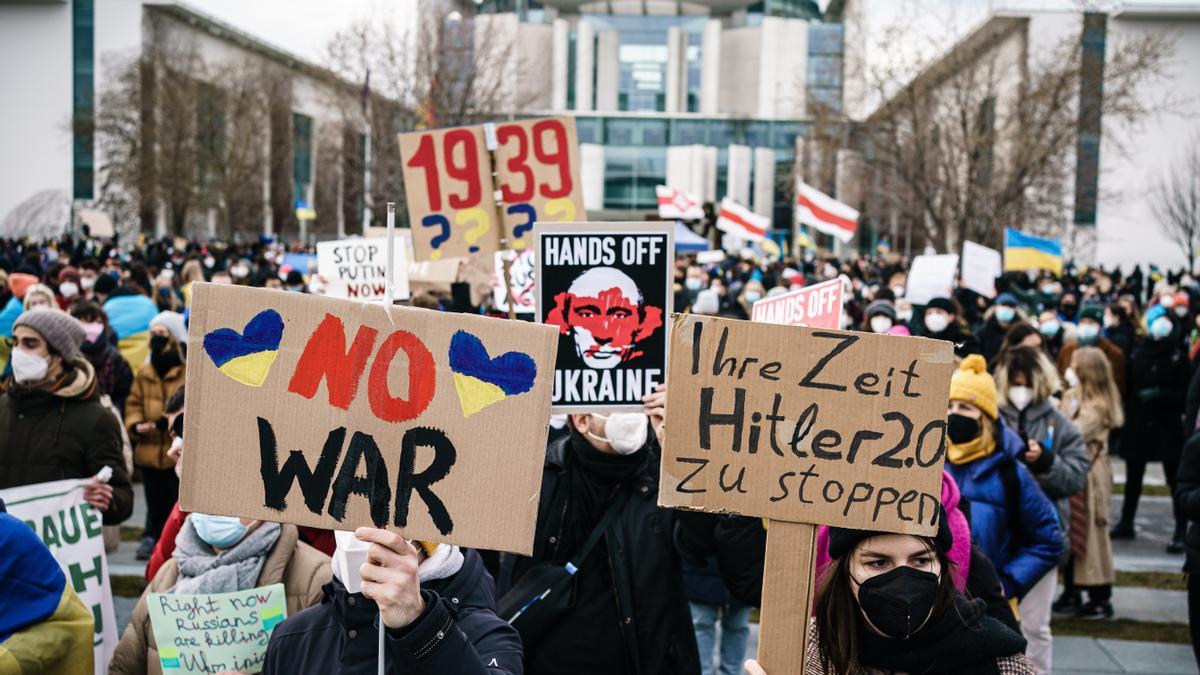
x,y
839,618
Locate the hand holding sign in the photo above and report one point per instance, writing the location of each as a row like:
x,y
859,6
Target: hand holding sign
x,y
389,577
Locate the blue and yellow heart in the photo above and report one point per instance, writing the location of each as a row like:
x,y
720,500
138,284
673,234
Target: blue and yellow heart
x,y
481,380
247,357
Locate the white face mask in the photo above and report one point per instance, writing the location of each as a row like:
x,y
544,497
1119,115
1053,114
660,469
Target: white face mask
x,y
898,291
87,283
1072,377
936,323
904,315
880,324
1020,397
29,367
625,432
68,289
348,557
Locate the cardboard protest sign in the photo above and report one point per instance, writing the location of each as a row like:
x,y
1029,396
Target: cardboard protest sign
x,y
806,425
211,632
931,276
981,266
357,268
521,276
607,288
450,191
70,528
817,306
336,413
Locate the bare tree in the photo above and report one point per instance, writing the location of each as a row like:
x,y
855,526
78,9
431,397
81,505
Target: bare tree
x,y
1176,203
446,71
985,137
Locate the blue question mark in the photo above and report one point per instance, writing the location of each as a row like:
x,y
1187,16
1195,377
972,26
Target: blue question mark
x,y
437,220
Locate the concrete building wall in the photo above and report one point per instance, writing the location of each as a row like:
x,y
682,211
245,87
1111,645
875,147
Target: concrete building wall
x,y
608,70
585,64
763,202
781,67
591,172
34,138
1132,159
560,55
741,53
710,67
739,166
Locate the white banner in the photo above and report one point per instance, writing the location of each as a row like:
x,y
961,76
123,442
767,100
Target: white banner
x,y
980,269
357,268
521,273
70,528
931,276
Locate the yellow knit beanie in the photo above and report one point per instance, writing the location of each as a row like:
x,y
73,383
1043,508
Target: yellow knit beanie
x,y
972,383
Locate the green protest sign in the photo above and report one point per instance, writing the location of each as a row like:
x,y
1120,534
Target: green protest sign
x,y
210,632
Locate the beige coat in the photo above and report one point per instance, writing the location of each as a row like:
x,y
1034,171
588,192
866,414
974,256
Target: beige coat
x,y
1096,567
302,569
147,402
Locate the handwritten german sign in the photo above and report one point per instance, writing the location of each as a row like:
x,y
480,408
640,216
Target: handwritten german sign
x,y
211,632
335,413
806,425
450,191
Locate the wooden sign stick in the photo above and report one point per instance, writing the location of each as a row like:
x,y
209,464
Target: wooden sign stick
x,y
787,597
489,138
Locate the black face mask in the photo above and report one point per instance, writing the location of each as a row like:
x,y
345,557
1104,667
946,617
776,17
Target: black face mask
x,y
961,428
899,602
158,343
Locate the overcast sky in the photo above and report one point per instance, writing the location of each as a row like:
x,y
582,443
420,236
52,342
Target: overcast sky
x,y
302,27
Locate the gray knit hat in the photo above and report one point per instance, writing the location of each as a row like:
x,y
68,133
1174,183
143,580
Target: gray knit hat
x,y
60,330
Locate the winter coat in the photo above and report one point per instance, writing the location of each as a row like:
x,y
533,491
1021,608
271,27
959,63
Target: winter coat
x,y
965,344
1154,401
1125,337
1116,359
113,374
147,402
965,641
459,632
990,337
655,621
44,626
1096,566
704,585
1062,469
1021,557
65,433
300,568
1187,492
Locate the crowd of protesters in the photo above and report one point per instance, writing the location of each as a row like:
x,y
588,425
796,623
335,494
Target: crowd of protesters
x,y
1055,373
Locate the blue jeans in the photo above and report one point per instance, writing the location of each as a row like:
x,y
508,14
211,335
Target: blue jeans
x,y
735,630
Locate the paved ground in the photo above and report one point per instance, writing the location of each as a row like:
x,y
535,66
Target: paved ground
x,y
1072,655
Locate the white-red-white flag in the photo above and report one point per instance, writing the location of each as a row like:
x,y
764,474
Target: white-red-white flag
x,y
741,222
819,210
674,203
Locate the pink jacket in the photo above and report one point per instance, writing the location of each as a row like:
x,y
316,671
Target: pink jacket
x,y
960,551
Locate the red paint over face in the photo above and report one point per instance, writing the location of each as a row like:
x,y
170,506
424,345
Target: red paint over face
x,y
611,320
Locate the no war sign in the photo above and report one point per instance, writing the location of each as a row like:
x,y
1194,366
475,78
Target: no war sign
x,y
337,414
806,425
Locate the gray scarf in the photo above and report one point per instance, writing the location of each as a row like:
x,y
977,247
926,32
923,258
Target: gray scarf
x,y
235,569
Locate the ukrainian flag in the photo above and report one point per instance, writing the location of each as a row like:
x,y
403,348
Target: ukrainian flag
x,y
1027,252
803,240
129,316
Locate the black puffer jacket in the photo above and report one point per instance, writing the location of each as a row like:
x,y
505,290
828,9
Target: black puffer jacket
x,y
643,580
1155,395
66,433
1187,493
458,633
